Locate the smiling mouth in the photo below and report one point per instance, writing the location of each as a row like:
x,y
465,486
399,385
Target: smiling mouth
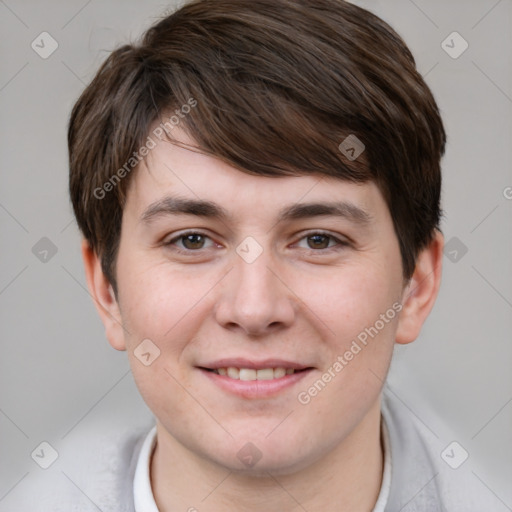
x,y
248,374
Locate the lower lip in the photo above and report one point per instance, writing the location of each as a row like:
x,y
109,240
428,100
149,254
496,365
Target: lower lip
x,y
255,388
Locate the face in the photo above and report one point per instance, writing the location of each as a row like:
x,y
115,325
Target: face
x,y
270,321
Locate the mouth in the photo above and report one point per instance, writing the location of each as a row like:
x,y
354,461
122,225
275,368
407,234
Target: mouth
x,y
250,379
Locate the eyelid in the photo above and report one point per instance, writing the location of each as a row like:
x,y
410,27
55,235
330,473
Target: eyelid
x,y
342,241
186,232
178,236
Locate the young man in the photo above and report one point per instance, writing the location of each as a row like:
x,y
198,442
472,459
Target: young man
x,y
258,188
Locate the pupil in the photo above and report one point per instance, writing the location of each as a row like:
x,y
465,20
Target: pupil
x,y
318,239
193,241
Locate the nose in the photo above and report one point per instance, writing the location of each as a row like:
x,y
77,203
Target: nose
x,y
254,298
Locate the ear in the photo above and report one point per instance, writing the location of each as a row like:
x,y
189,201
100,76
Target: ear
x,y
104,298
420,293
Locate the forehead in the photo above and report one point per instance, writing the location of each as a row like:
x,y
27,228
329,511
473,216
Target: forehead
x,y
172,170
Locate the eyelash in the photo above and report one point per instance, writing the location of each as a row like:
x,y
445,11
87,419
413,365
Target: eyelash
x,y
340,243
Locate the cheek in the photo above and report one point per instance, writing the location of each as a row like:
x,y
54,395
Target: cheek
x,y
156,302
160,306
357,305
360,308
352,300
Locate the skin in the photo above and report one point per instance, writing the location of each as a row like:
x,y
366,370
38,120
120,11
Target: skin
x,y
302,299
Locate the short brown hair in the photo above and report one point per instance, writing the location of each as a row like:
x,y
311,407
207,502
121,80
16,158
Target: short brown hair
x,y
279,84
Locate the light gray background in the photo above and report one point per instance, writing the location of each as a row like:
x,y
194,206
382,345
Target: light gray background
x,y
58,375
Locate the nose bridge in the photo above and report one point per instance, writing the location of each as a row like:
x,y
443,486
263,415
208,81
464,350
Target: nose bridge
x,y
254,299
253,279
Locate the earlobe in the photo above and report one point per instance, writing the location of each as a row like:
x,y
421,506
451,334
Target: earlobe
x,y
419,295
103,296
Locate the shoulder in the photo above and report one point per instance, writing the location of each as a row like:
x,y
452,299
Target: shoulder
x,y
429,470
94,471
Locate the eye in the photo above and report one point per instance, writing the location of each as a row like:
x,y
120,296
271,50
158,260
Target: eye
x,y
322,241
195,241
190,241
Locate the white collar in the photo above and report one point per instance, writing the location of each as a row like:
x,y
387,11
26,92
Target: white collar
x,y
144,500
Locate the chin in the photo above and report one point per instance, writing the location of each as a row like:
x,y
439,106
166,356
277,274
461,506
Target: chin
x,y
257,456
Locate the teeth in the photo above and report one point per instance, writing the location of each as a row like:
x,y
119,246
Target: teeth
x,y
251,374
266,374
234,373
281,372
247,374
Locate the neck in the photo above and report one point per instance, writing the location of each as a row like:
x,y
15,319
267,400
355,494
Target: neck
x,y
347,478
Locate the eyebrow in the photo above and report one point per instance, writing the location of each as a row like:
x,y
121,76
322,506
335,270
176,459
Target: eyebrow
x,y
208,209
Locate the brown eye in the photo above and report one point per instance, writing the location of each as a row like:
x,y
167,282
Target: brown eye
x,y
318,241
190,242
322,242
193,241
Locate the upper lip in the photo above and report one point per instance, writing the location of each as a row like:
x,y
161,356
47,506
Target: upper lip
x,y
240,362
